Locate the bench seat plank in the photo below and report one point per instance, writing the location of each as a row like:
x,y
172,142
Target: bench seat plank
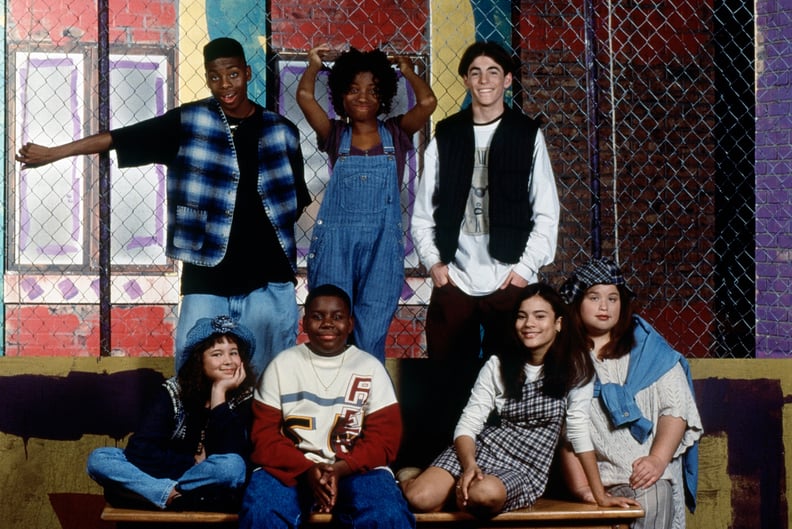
x,y
544,510
117,514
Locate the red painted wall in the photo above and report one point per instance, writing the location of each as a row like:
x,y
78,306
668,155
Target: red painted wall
x,y
61,23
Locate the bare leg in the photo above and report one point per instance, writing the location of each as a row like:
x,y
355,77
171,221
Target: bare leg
x,y
485,497
430,490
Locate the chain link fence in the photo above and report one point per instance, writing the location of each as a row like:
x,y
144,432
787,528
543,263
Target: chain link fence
x,y
646,108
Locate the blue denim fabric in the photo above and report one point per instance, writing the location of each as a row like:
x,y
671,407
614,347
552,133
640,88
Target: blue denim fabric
x,y
110,468
270,313
365,501
268,503
357,240
372,500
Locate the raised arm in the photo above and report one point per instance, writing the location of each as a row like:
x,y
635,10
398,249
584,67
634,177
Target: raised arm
x,y
425,100
34,155
313,111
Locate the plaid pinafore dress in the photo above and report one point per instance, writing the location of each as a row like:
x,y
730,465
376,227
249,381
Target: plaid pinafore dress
x,y
520,448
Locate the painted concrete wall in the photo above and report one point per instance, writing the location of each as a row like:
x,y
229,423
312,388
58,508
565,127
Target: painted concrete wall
x,y
56,412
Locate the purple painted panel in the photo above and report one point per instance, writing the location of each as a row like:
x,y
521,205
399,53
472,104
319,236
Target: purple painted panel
x,y
27,192
774,179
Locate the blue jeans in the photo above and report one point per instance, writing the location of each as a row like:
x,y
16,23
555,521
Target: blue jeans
x,y
270,313
357,240
110,468
365,501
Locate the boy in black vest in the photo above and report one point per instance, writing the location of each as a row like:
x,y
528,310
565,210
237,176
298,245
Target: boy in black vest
x,y
485,218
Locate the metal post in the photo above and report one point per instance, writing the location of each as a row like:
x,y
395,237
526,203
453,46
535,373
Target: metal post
x,y
592,100
104,179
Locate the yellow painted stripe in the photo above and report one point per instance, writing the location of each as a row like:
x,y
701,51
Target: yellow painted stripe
x,y
452,30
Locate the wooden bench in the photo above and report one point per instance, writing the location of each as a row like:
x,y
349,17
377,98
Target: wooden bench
x,y
546,513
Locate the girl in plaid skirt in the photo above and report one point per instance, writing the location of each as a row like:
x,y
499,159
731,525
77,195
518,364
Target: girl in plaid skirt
x,y
532,387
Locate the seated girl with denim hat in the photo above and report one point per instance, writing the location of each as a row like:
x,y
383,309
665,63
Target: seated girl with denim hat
x,y
644,423
191,449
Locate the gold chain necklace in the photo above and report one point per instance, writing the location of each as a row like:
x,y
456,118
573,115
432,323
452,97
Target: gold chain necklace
x,y
337,373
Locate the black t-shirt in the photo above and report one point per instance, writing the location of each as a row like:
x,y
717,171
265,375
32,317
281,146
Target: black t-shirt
x,y
254,256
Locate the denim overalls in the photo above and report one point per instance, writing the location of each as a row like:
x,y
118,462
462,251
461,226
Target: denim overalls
x,y
357,239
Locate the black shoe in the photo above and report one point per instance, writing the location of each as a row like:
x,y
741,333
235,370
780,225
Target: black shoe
x,y
126,499
208,499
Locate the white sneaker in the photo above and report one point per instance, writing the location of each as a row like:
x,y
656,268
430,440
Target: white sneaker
x,y
407,473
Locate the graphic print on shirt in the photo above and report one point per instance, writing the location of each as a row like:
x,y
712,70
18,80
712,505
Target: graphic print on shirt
x,y
476,220
349,422
293,423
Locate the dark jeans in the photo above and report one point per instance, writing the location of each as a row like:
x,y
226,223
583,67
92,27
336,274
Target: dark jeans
x,y
462,331
369,500
459,326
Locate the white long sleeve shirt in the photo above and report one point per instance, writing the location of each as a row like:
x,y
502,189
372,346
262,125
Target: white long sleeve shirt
x,y
488,394
473,270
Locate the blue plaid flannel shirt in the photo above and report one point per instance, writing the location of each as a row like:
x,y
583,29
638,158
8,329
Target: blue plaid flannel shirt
x,y
203,180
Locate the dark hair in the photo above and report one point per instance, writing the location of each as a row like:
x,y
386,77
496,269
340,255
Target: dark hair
x,y
492,50
352,62
223,47
566,363
195,386
622,335
328,290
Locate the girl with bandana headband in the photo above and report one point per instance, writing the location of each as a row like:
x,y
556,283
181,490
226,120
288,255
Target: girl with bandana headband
x,y
644,422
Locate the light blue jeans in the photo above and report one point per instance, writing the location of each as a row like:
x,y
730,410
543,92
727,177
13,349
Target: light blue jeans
x,y
365,501
270,313
110,468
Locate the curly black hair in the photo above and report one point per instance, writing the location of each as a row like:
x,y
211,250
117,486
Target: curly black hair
x,y
352,62
195,385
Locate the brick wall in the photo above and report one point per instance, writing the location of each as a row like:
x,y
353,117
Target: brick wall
x,y
774,180
665,216
59,23
362,24
73,330
661,219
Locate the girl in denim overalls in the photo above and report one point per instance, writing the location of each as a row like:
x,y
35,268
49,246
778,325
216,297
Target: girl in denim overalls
x,y
357,239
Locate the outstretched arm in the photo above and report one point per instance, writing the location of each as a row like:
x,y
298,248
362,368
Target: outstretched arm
x,y
582,476
34,155
426,102
313,111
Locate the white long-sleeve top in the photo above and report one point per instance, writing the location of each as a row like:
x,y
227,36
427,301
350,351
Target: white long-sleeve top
x,y
488,394
473,270
616,448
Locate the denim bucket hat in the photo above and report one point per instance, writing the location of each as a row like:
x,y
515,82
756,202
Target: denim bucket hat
x,y
206,327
